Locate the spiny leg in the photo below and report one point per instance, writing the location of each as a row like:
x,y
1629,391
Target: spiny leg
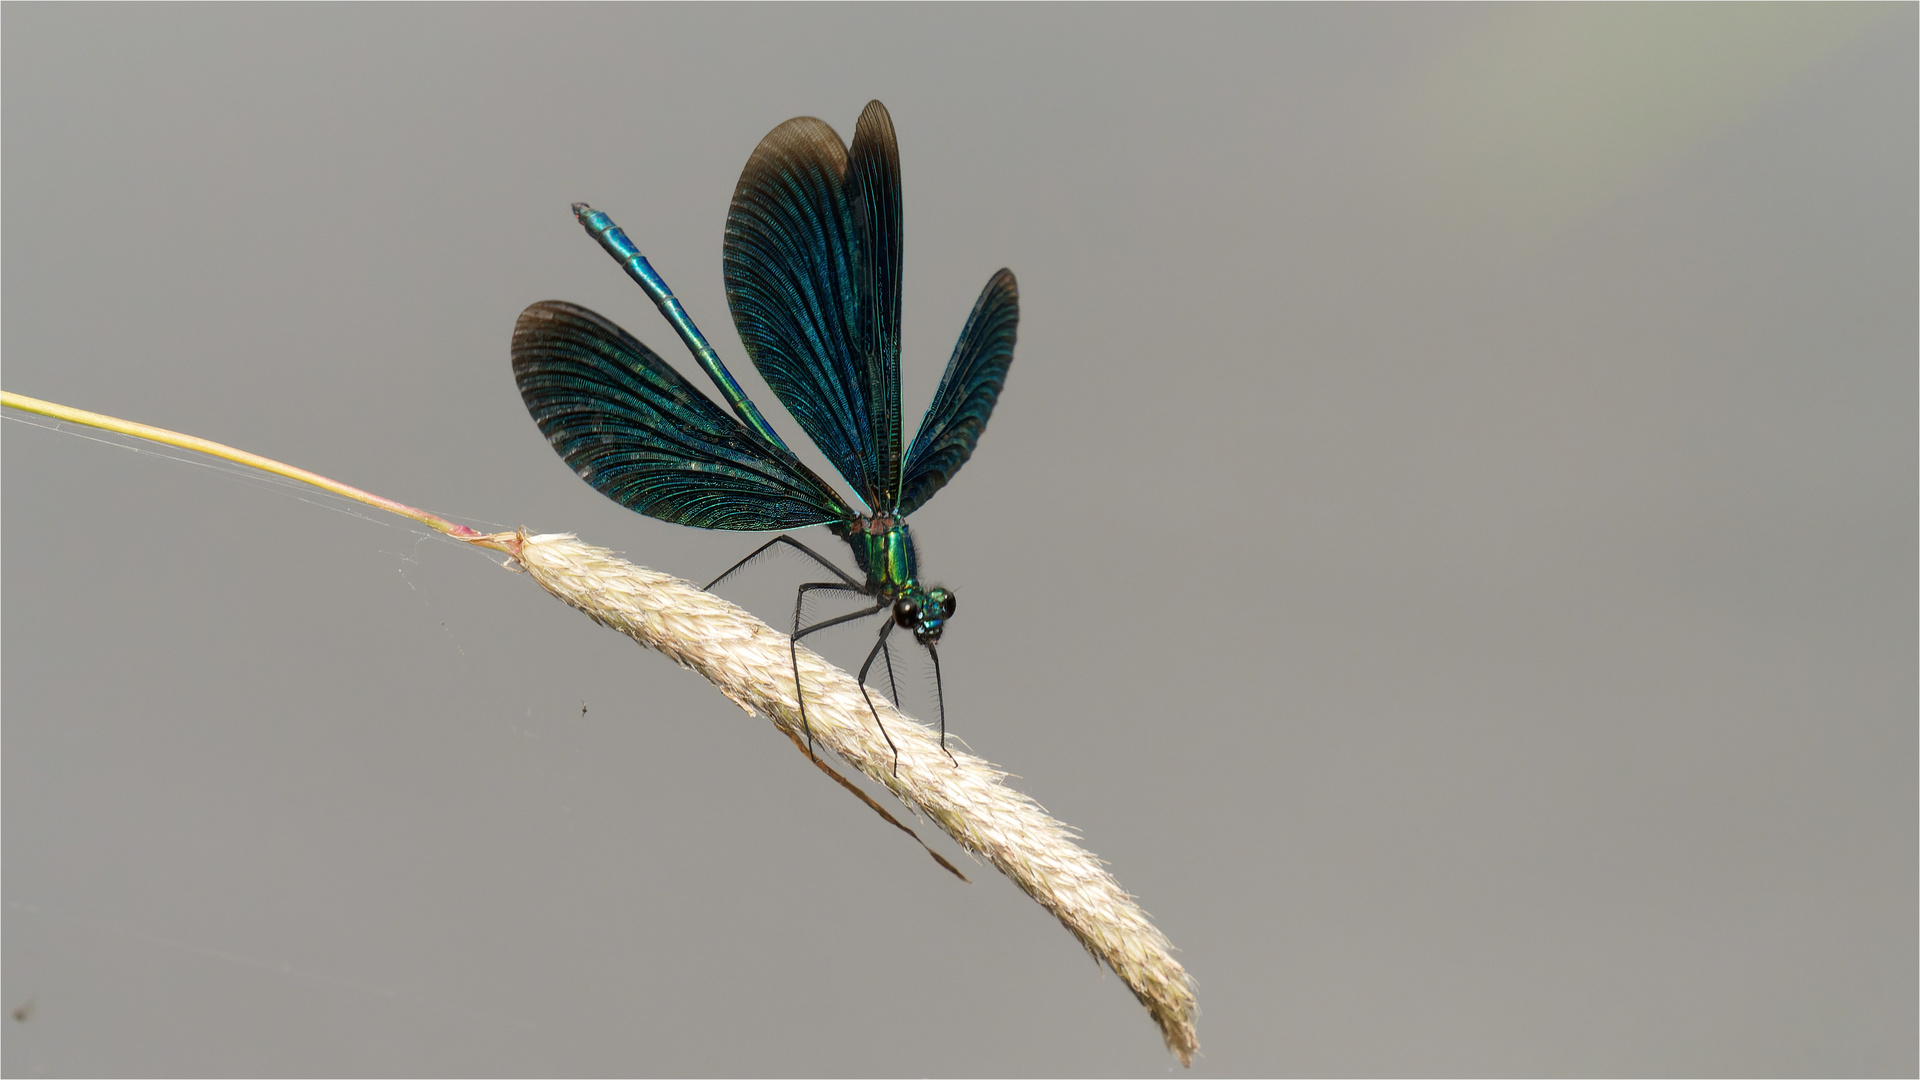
x,y
879,647
941,695
790,542
793,643
886,653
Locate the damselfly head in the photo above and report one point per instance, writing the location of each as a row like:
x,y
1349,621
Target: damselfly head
x,y
925,613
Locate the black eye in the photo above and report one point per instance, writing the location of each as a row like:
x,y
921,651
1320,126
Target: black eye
x,y
947,603
906,614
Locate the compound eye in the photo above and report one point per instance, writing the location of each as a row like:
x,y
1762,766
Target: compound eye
x,y
947,602
906,614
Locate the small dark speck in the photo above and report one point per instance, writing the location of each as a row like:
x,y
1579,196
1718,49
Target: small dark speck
x,y
583,708
25,1010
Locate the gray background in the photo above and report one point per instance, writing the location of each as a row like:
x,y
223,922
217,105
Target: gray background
x,y
1448,541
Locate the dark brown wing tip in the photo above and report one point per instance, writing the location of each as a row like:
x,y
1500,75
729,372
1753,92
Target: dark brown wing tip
x,y
874,121
801,141
803,134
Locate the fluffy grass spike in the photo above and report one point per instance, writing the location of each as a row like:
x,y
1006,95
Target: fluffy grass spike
x,y
748,661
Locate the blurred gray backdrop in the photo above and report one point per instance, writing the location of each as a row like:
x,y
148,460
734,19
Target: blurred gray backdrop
x,y
1448,541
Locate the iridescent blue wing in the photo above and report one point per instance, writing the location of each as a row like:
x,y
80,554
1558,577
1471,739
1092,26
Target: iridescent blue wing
x,y
873,186
636,430
967,392
812,266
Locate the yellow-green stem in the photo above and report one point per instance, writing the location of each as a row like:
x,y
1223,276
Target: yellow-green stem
x,y
240,457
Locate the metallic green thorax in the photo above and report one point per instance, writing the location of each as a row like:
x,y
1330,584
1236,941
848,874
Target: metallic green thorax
x,y
884,551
